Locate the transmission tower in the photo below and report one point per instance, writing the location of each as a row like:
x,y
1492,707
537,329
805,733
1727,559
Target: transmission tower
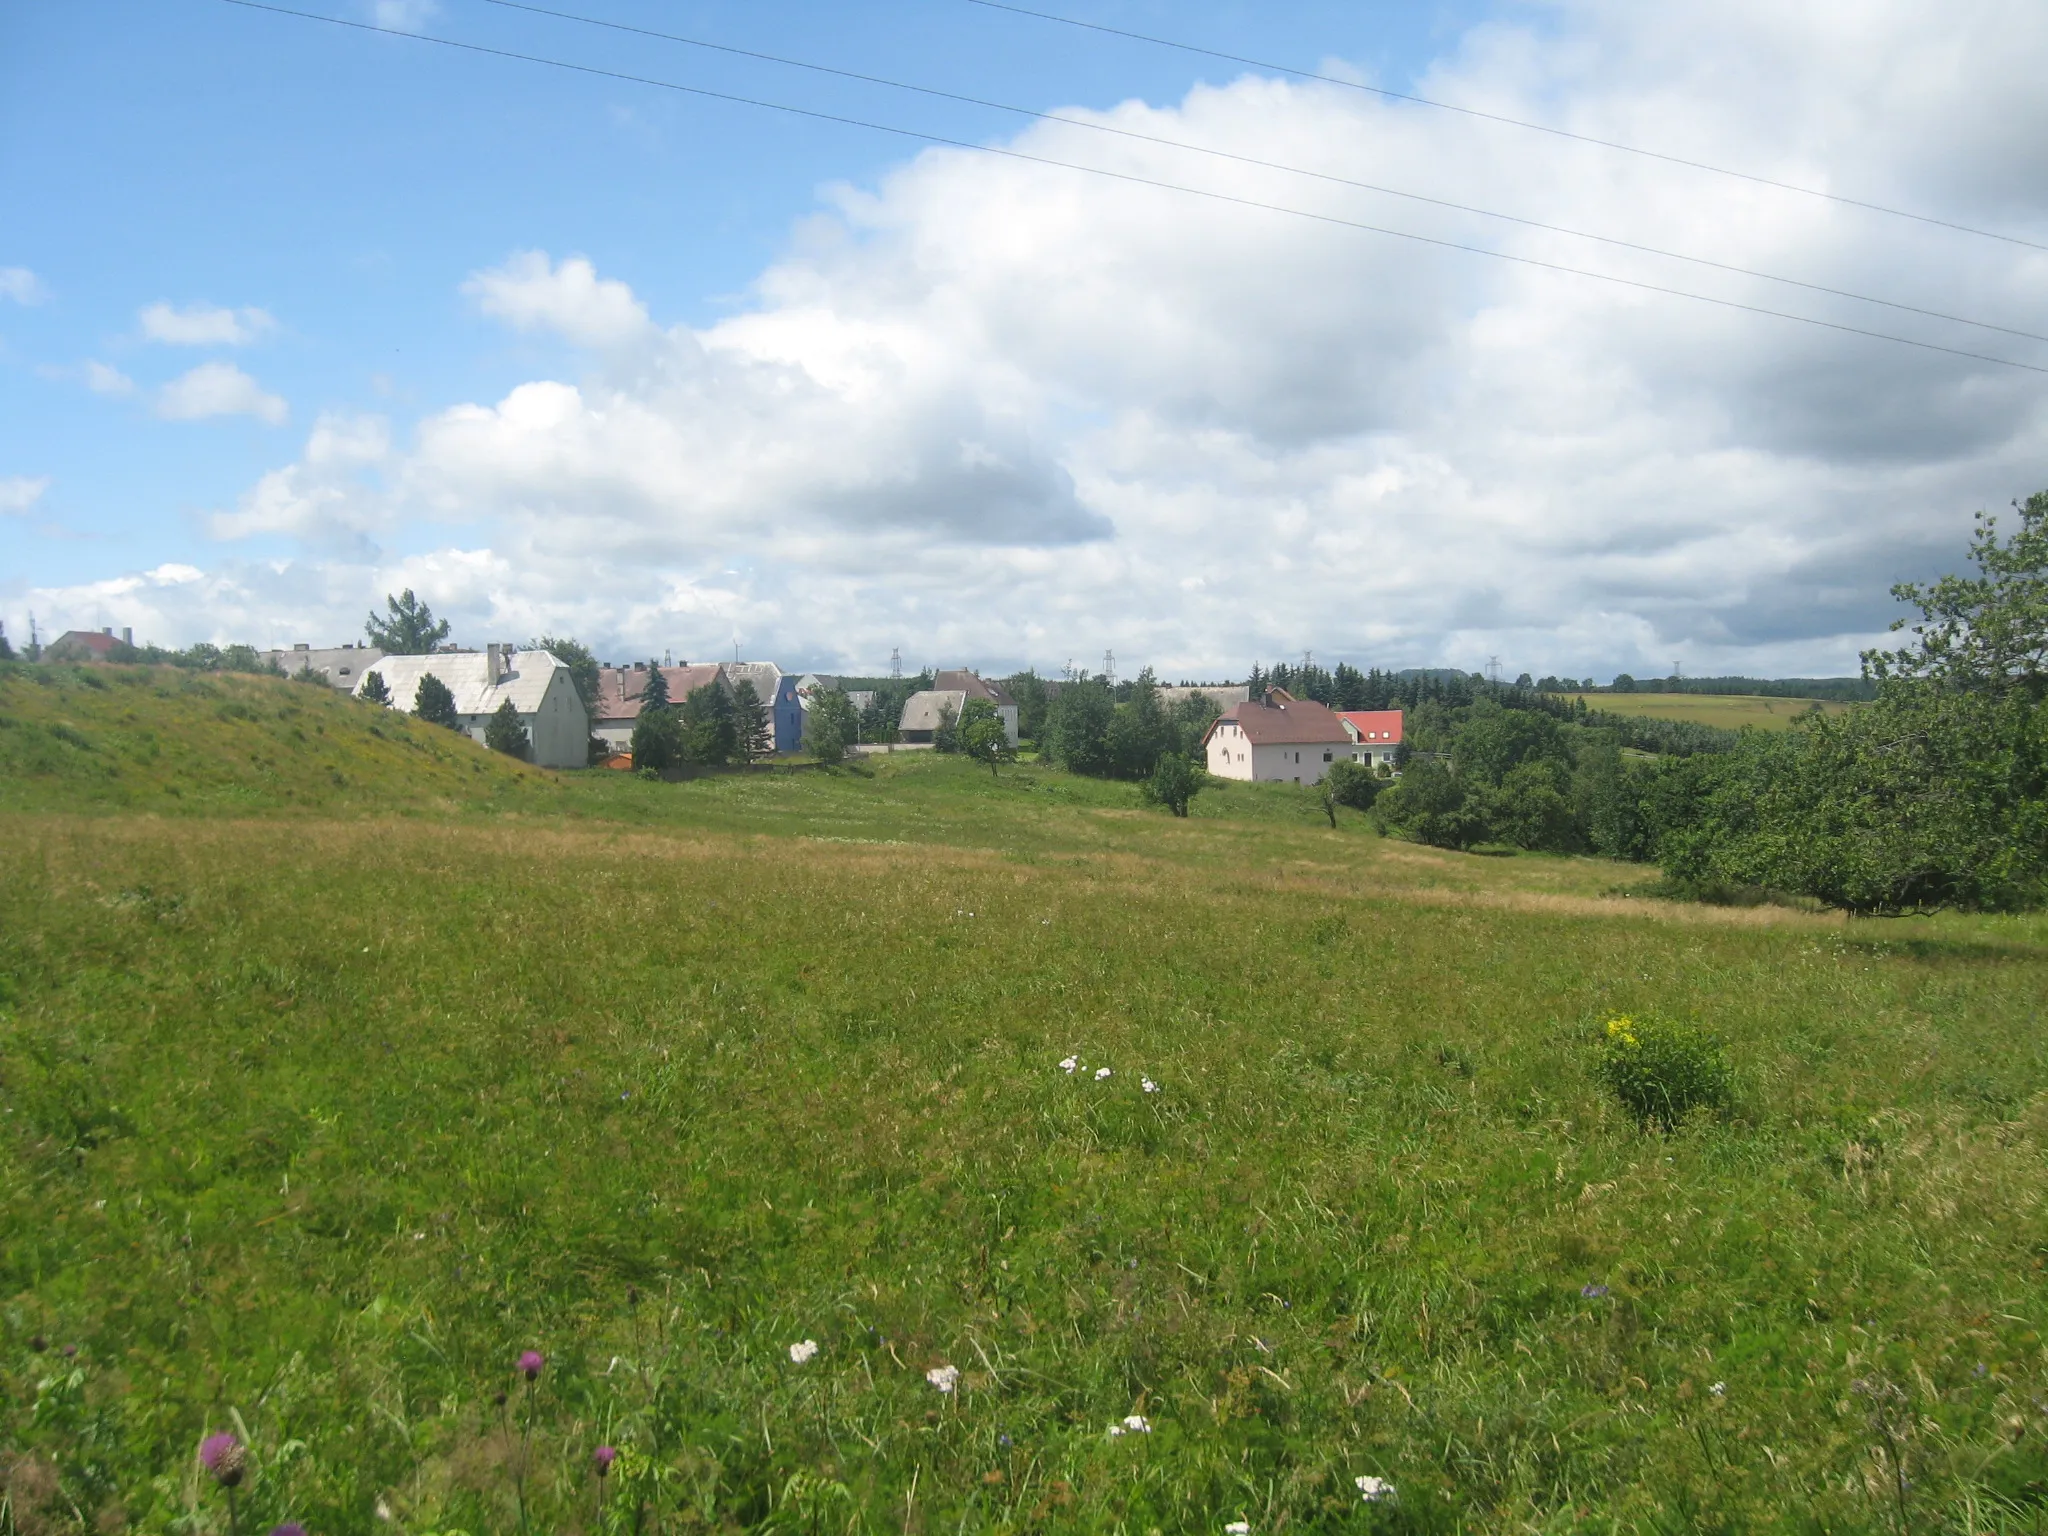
x,y
1109,668
1493,670
895,661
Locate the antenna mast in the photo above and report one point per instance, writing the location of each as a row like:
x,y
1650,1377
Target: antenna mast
x,y
895,661
1109,668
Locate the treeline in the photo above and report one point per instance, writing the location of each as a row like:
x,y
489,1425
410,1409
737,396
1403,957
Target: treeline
x,y
1935,793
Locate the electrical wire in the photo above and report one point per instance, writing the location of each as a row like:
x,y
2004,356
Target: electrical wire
x,y
1136,180
1270,165
1513,122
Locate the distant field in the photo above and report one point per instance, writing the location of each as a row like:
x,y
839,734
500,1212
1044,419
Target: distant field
x,y
1730,711
339,1078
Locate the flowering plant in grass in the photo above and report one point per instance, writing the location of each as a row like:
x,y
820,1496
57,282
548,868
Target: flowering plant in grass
x,y
1663,1071
801,1353
944,1377
1375,1490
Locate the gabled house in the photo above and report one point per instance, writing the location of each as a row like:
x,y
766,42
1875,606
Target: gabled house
x,y
1375,734
776,690
620,689
537,684
85,645
1278,739
924,712
342,666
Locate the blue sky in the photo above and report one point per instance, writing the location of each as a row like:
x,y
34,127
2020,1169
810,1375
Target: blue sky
x,y
340,193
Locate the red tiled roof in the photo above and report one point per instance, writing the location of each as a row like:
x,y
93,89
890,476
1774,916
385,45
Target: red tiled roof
x,y
1281,719
960,680
619,688
1375,727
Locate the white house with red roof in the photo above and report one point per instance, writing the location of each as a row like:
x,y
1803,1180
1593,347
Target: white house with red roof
x,y
1278,740
1375,733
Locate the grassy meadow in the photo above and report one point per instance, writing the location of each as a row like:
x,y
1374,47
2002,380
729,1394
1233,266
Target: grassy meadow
x,y
1729,711
340,1063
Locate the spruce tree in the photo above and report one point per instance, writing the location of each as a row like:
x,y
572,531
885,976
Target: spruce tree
x,y
751,735
505,732
433,703
376,690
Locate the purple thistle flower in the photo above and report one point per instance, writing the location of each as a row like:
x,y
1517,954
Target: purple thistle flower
x,y
604,1458
531,1362
223,1456
1592,1290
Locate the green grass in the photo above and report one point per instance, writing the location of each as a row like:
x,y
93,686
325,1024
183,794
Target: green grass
x,y
1729,711
318,1112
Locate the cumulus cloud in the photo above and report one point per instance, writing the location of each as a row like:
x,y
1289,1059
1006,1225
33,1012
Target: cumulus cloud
x,y
403,15
22,286
218,389
204,325
18,493
569,299
106,379
999,410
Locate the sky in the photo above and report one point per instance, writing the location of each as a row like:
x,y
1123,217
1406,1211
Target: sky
x,y
296,315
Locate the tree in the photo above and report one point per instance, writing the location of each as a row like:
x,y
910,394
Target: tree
x,y
376,690
433,703
654,692
505,732
6,650
830,724
1028,689
752,737
983,736
1353,784
1428,806
709,733
411,629
582,665
1077,727
1175,781
1987,632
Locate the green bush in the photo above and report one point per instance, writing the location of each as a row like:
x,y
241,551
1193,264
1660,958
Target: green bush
x,y
1662,1071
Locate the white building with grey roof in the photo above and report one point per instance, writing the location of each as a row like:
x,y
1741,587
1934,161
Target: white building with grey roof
x,y
537,684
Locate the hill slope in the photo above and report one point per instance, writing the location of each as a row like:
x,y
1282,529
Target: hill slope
x,y
159,739
1728,711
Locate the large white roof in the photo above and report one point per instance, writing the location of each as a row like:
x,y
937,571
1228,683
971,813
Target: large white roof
x,y
525,684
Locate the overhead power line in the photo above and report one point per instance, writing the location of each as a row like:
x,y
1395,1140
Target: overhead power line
x,y
1270,165
1512,122
1133,179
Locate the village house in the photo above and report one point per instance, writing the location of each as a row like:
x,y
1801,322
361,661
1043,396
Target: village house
x,y
538,685
1375,735
620,690
341,665
1279,739
1215,695
776,690
926,711
85,645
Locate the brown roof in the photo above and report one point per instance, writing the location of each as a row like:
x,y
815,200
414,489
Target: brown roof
x,y
960,680
1282,718
619,688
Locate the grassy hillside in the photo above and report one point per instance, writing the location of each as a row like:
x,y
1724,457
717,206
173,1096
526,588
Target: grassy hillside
x,y
312,1122
1729,711
165,740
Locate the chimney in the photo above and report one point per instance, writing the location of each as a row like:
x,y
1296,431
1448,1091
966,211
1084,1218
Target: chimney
x,y
494,663
127,635
108,631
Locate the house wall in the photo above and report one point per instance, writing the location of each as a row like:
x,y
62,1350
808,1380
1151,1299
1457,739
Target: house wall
x,y
559,730
1231,756
789,717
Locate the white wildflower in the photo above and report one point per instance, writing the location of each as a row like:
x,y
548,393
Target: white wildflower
x,y
1238,1528
1148,1085
1375,1490
1101,1073
1068,1063
944,1377
799,1353
1719,1389
1137,1424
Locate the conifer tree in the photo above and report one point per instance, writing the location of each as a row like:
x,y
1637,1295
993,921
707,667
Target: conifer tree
x,y
376,690
433,703
505,732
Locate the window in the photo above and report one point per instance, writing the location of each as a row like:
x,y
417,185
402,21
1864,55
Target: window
x,y
1326,757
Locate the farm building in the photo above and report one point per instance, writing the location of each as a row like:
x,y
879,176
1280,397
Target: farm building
x,y
341,665
619,691
924,712
85,645
776,690
538,685
1277,740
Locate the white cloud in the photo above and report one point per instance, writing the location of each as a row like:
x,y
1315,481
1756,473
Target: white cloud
x,y
218,389
999,411
204,325
570,300
404,15
18,493
105,379
22,286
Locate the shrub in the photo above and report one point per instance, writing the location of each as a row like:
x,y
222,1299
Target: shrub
x,y
1662,1071
1355,785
